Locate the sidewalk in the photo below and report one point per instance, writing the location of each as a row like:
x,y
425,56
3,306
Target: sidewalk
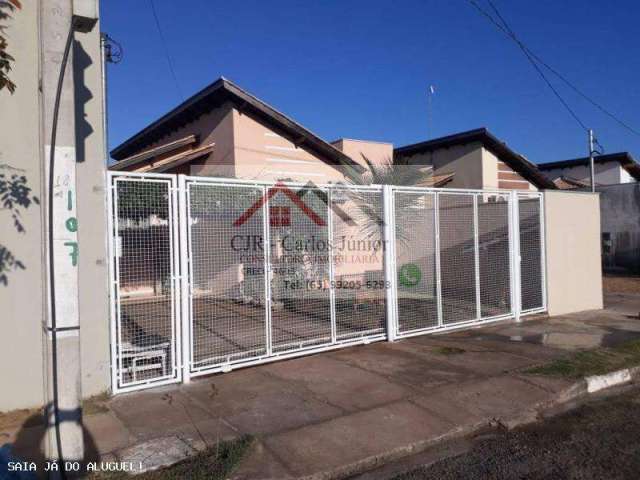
x,y
338,413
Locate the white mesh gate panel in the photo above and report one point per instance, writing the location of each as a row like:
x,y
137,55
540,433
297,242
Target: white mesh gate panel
x,y
144,299
211,274
457,257
416,260
277,270
299,265
454,252
227,291
358,274
494,254
531,244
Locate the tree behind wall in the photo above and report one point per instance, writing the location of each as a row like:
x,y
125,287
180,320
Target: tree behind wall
x,y
7,7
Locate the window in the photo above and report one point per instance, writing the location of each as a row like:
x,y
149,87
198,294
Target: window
x,y
279,216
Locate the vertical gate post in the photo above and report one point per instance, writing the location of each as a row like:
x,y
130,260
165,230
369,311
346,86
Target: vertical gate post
x,y
332,274
436,221
266,252
476,257
514,230
184,220
543,250
389,262
112,243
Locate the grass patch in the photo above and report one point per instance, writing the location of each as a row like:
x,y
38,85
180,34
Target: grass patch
x,y
214,463
30,417
592,362
23,417
95,404
449,350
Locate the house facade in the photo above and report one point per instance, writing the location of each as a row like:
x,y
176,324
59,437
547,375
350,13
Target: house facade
x,y
224,131
474,159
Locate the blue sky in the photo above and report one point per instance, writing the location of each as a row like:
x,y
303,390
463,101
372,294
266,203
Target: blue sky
x,y
361,69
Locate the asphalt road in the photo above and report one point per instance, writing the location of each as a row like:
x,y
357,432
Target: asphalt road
x,y
598,440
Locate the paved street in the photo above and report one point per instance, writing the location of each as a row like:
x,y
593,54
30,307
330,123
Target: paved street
x,y
598,440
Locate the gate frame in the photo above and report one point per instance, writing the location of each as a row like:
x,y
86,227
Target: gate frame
x,y
543,252
515,312
179,205
270,355
114,275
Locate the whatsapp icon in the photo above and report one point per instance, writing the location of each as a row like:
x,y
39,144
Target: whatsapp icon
x,y
409,275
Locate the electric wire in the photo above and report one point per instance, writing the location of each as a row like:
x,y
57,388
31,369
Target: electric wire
x,y
52,285
507,31
166,50
511,35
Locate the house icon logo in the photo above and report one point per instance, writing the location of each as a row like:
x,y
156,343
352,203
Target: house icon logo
x,y
280,216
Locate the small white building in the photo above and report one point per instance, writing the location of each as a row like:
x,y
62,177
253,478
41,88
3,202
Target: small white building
x,y
610,169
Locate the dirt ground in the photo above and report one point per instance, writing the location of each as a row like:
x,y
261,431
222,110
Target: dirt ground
x,y
597,440
621,284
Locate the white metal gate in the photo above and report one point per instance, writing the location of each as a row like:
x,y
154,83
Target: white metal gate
x,y
250,300
144,271
211,274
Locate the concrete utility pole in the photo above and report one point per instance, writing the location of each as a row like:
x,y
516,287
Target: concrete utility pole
x,y
64,440
592,168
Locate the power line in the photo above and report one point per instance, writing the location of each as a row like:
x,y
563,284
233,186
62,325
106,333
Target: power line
x,y
507,31
505,28
166,50
566,81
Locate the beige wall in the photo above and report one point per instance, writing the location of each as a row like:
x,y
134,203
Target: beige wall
x,y
23,300
474,167
497,174
572,232
465,160
376,152
93,272
263,154
216,127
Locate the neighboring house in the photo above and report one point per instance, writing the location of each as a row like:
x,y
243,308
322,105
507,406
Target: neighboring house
x,y
474,159
610,169
620,228
616,179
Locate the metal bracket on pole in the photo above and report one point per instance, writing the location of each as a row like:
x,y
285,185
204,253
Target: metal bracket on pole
x,y
389,263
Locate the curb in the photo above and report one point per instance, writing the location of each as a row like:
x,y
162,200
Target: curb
x,y
596,383
579,389
582,388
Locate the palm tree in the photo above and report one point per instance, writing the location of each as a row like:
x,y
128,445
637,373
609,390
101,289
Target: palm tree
x,y
367,209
